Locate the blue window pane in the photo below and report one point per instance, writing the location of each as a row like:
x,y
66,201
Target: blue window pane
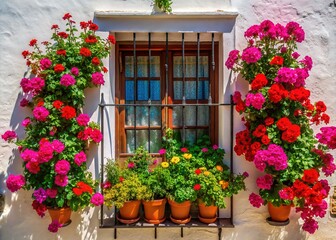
x,y
129,90
203,90
155,90
142,90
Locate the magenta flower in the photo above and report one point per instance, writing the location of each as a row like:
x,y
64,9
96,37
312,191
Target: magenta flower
x,y
295,55
45,152
40,113
106,185
98,78
215,147
80,158
96,135
74,71
184,150
252,31
40,195
233,56
265,182
205,150
9,135
256,100
26,122
131,165
327,136
267,29
97,199
61,180
308,62
296,31
310,225
24,102
245,174
25,84
286,193
29,155
83,119
62,167
162,151
251,55
255,200
45,63
67,80
58,146
36,84
54,226
15,182
51,192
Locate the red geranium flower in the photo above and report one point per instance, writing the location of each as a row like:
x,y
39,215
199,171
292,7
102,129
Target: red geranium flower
x,y
25,53
93,27
59,68
198,171
54,26
184,150
32,42
283,123
67,16
95,61
277,60
85,52
68,112
310,175
63,35
83,25
61,52
259,131
111,39
269,121
197,187
57,104
91,39
259,81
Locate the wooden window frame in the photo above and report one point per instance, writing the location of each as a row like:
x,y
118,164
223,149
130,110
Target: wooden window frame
x,y
126,49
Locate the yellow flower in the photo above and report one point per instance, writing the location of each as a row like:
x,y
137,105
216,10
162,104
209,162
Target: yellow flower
x,y
187,156
165,164
219,168
206,173
175,160
203,168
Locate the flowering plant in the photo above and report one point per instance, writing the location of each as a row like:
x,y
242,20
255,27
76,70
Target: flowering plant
x,y
278,115
53,151
197,171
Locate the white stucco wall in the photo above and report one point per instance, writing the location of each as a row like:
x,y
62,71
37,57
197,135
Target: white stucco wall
x,y
22,20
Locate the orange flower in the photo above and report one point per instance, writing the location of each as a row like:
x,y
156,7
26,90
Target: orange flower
x,y
224,184
219,168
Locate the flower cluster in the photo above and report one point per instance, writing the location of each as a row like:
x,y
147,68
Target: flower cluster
x,y
57,134
278,115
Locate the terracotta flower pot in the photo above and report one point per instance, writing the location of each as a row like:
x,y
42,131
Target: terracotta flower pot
x,y
279,214
61,214
130,210
155,210
207,214
180,212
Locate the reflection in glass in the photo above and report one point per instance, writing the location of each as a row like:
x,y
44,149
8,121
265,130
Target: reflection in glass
x,y
142,115
142,140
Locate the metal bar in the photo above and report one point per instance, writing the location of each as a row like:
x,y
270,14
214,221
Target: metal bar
x,y
182,232
212,62
149,87
197,79
135,87
167,105
231,154
102,106
183,91
115,233
155,233
219,233
167,82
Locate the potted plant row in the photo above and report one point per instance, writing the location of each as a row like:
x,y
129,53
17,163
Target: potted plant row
x,y
194,173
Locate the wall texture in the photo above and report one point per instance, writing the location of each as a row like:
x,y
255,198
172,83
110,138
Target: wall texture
x,y
22,20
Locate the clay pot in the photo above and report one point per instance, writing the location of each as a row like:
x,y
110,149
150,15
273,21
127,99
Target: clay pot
x,y
180,212
130,210
207,214
279,214
62,215
154,210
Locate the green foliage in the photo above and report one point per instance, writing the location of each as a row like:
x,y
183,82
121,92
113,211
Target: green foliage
x,y
164,5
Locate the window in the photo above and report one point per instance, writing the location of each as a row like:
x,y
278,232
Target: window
x,y
154,86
